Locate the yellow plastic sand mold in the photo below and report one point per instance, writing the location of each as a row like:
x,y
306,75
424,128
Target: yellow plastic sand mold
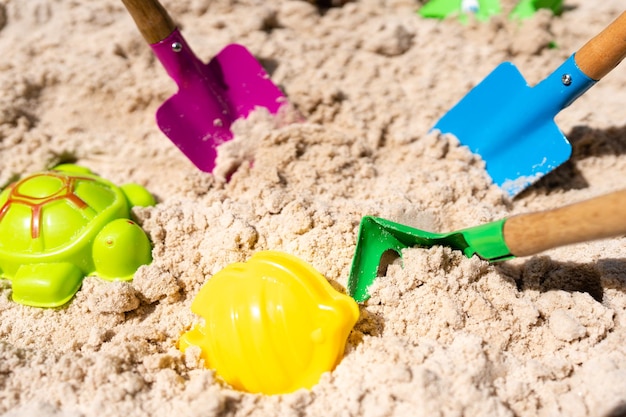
x,y
272,325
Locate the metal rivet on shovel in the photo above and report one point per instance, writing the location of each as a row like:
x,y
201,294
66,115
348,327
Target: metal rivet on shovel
x,y
210,97
177,47
521,235
566,79
511,125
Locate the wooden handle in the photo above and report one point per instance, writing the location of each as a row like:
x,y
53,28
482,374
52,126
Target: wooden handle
x,y
602,53
151,19
598,218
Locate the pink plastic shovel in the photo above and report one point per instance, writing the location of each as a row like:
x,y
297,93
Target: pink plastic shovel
x,y
210,97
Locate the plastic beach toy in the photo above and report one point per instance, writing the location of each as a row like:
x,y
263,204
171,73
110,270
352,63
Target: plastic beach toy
x,y
511,124
440,9
527,8
58,226
210,97
272,325
483,9
520,235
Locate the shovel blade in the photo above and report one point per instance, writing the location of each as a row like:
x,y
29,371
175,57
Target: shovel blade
x,y
245,83
197,119
378,236
487,119
511,125
194,122
538,151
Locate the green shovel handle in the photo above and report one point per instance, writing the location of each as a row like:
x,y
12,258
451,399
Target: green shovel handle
x,y
598,218
528,234
486,241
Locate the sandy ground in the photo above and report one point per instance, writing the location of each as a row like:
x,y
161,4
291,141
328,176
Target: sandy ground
x,y
443,336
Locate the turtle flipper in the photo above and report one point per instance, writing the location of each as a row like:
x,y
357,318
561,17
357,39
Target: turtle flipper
x,y
137,195
46,284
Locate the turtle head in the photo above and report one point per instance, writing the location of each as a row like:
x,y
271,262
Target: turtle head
x,y
119,249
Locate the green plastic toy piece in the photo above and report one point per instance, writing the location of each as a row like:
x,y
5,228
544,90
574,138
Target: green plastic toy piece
x,y
482,10
441,9
527,8
379,236
58,226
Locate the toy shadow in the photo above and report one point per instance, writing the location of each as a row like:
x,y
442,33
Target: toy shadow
x,y
539,273
618,411
586,142
543,274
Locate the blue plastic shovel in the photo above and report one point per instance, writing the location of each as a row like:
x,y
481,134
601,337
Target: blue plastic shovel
x,y
511,125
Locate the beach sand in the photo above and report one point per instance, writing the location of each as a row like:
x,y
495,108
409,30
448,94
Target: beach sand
x,y
442,335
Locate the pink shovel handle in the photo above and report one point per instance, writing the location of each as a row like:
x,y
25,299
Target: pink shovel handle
x,y
605,51
152,20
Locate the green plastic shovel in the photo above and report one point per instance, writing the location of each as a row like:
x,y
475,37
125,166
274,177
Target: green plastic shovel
x,y
521,235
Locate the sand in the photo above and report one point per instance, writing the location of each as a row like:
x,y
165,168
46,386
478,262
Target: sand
x,y
442,335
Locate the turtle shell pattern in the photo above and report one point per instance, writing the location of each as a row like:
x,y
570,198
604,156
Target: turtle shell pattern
x,y
48,211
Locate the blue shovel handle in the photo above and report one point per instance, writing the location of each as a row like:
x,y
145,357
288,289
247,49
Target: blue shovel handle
x,y
605,51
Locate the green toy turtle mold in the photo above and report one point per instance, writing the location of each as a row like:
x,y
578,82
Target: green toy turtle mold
x,y
58,226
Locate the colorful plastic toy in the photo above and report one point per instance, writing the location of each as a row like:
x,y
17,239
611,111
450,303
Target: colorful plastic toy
x,y
527,8
58,226
483,9
500,240
511,124
441,9
210,97
272,325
